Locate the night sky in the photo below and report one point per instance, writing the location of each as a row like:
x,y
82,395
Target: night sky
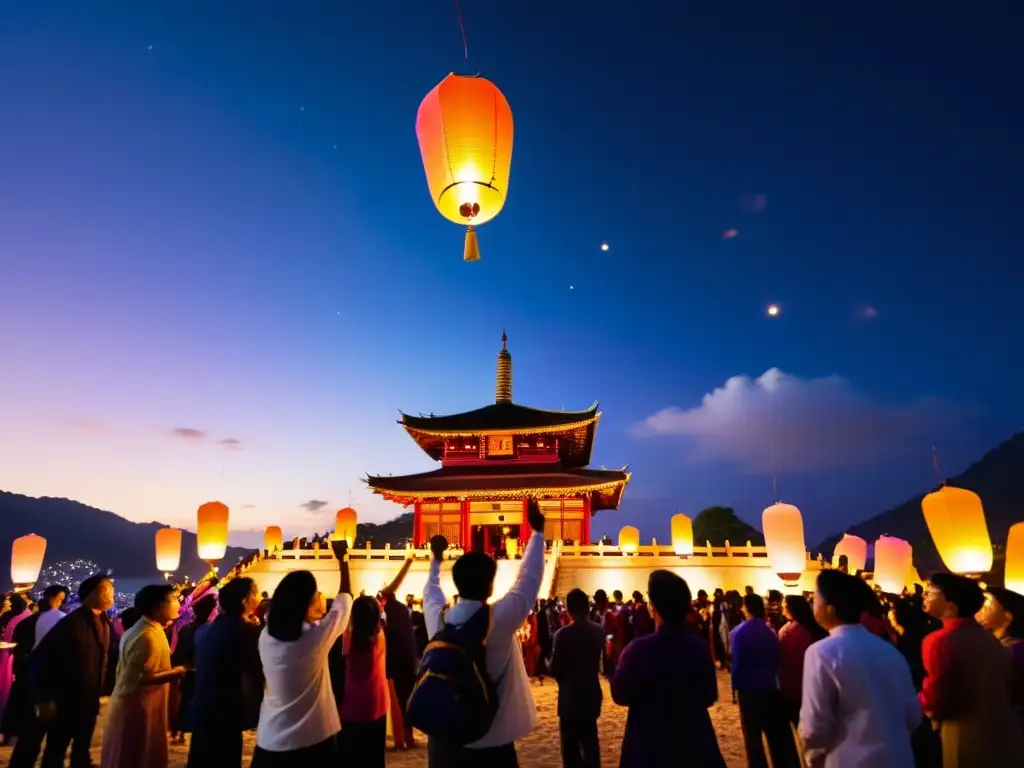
x,y
221,274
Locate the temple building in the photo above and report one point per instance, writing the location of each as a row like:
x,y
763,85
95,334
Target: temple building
x,y
492,460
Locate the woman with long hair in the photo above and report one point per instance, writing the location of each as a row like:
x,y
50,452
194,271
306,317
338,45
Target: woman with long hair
x,y
299,723
364,710
797,635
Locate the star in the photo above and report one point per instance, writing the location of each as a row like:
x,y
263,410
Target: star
x,y
302,109
773,310
605,246
150,48
572,287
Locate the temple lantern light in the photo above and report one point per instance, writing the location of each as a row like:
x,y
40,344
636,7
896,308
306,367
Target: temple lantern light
x,y
168,549
345,525
1014,578
893,560
212,531
682,535
956,521
629,539
27,553
783,527
273,538
856,551
464,129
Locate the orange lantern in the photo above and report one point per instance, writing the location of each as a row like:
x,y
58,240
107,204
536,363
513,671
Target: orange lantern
x,y
1015,559
464,129
212,531
956,521
345,525
856,551
168,549
629,539
784,539
682,535
893,560
273,538
27,553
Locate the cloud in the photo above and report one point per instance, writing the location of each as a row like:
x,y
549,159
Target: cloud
x,y
189,434
785,423
729,234
88,425
754,203
231,444
313,505
248,506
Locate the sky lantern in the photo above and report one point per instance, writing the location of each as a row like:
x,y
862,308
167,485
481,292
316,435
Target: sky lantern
x,y
212,531
464,129
956,521
27,553
273,538
1015,559
629,539
784,539
682,535
168,549
856,551
893,560
345,525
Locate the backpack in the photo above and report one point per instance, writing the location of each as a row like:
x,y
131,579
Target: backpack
x,y
454,699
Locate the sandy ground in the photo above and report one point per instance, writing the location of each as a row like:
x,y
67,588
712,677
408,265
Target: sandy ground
x,y
541,747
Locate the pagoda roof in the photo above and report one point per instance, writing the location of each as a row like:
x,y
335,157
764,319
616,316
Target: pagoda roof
x,y
503,480
577,427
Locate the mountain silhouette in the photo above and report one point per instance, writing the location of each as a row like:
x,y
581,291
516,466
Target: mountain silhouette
x,y
73,530
998,478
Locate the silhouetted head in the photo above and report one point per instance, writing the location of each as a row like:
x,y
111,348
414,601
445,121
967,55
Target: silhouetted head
x,y
158,603
365,621
753,606
638,597
670,598
203,608
238,597
617,594
601,598
1003,614
97,592
473,574
290,605
54,596
950,596
838,599
18,604
577,603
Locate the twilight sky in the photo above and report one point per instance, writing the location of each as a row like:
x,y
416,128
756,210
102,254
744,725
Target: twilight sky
x,y
221,273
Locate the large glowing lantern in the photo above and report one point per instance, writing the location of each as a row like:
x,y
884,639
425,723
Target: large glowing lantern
x,y
629,539
783,527
1015,559
273,538
27,555
893,560
168,549
856,551
345,525
212,531
682,535
464,129
956,521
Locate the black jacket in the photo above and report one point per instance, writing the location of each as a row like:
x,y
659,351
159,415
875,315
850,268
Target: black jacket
x,y
576,665
69,666
229,676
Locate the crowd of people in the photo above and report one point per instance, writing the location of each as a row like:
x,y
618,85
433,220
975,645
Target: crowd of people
x,y
848,677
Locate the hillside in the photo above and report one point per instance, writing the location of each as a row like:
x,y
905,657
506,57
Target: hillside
x,y
998,478
394,532
73,530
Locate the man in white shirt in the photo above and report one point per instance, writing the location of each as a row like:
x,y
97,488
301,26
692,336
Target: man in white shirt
x,y
859,705
473,574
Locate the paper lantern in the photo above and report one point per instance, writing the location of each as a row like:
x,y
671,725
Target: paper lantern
x,y
212,531
956,521
273,538
783,527
27,553
345,525
511,548
682,535
893,560
856,551
629,539
464,129
168,549
1015,559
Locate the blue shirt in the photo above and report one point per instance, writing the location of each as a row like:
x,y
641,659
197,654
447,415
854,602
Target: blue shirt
x,y
755,657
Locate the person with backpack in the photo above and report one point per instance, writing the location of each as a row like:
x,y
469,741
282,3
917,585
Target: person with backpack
x,y
472,696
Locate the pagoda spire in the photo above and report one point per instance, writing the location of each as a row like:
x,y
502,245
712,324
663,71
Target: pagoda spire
x,y
503,385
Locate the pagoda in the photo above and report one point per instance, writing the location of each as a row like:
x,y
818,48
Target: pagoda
x,y
495,458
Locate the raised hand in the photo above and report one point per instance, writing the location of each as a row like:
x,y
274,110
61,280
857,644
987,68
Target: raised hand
x,y
438,545
339,547
534,516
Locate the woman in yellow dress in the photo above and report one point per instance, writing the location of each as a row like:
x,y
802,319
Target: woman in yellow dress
x,y
136,732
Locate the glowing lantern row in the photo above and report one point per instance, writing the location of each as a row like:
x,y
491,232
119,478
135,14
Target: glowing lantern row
x,y
682,535
464,129
27,555
783,527
956,521
168,549
212,531
273,538
856,551
893,560
629,539
345,525
1015,559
